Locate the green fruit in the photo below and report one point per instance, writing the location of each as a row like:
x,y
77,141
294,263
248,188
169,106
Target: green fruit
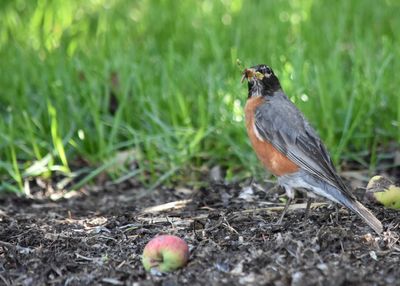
x,y
384,191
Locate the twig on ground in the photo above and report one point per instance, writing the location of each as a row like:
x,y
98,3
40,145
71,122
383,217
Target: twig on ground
x,y
167,207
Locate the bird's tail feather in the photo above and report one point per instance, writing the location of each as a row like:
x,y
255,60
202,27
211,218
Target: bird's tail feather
x,y
354,205
321,188
363,213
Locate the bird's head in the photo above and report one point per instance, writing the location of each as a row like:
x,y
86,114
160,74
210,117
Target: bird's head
x,y
261,80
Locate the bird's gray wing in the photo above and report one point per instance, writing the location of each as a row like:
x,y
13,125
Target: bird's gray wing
x,y
279,122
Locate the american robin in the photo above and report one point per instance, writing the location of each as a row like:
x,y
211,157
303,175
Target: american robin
x,y
289,148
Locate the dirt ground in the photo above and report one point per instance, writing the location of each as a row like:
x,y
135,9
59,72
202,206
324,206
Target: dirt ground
x,y
96,237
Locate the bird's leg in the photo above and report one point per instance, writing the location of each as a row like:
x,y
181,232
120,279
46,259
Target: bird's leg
x,y
307,212
285,209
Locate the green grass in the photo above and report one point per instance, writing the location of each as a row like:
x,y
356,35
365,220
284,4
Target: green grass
x,y
180,99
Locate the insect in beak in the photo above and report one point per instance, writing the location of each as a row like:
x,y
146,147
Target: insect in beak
x,y
249,73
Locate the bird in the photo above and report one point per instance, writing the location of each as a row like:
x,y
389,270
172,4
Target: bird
x,y
289,147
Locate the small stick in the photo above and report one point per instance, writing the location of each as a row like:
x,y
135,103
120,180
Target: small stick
x,y
167,207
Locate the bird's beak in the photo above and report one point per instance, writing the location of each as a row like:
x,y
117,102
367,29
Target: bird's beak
x,y
251,73
247,74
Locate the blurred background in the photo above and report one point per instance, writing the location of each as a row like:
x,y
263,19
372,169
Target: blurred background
x,y
151,90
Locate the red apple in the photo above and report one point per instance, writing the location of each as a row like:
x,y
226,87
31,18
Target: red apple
x,y
165,253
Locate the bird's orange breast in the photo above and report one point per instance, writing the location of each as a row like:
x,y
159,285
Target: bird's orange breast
x,y
277,163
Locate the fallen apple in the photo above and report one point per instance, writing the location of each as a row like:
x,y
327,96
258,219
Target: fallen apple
x,y
382,190
165,253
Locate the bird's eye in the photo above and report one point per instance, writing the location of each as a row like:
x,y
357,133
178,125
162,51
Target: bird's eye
x,y
265,70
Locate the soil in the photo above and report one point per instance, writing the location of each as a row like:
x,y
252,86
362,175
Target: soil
x,y
96,237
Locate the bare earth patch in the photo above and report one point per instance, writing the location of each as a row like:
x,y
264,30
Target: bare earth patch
x,y
97,238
